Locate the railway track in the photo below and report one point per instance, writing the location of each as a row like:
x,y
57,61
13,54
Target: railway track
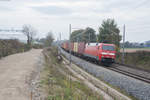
x,y
127,73
130,74
134,85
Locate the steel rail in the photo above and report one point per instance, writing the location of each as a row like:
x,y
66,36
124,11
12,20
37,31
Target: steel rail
x,y
130,74
127,73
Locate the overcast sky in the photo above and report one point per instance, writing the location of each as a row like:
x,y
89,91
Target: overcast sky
x,y
56,15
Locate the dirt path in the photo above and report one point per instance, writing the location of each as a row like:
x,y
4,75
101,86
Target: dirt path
x,y
15,72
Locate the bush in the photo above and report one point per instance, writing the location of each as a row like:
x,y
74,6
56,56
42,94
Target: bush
x,y
37,46
12,46
140,59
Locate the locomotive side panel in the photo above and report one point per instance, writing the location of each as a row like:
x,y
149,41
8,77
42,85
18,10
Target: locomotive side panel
x,y
91,51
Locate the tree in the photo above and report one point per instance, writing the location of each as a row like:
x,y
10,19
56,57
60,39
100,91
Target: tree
x,y
30,32
76,36
89,35
83,35
109,32
48,40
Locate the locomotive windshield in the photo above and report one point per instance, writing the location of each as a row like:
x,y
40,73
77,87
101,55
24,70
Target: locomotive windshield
x,y
110,48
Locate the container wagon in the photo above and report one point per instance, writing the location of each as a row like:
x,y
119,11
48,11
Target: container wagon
x,y
100,52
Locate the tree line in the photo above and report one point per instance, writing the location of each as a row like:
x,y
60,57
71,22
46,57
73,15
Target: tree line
x,y
11,46
108,33
30,32
128,44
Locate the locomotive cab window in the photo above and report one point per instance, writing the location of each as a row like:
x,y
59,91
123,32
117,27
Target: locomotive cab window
x,y
110,48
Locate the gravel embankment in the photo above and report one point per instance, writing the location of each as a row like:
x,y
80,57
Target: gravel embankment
x,y
136,88
37,93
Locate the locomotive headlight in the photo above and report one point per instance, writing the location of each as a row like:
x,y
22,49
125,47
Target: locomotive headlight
x,y
112,54
104,53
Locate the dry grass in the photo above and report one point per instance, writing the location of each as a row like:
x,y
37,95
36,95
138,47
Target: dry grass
x,y
130,50
139,59
11,46
60,83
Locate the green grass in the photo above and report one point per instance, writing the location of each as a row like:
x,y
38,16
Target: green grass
x,y
59,86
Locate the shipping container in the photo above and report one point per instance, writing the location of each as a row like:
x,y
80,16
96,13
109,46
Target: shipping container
x,y
72,46
67,45
81,47
75,49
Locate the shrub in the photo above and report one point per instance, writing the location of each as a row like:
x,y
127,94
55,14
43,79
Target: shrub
x,y
140,59
37,46
11,46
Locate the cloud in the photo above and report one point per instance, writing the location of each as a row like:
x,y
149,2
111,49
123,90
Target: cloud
x,y
53,10
57,14
5,9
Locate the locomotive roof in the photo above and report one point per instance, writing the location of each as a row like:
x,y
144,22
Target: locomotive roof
x,y
95,44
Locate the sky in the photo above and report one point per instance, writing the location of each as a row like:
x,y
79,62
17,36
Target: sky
x,y
56,15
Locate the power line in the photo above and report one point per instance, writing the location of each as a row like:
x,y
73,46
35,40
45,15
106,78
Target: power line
x,y
10,34
10,30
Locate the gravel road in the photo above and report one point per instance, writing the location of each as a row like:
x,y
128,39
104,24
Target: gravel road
x,y
15,74
132,86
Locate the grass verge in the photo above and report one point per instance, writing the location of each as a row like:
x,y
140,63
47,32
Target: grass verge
x,y
139,59
60,84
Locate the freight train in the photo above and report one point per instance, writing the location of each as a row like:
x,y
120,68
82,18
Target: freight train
x,y
99,52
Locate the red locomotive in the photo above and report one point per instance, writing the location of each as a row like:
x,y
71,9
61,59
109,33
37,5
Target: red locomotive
x,y
100,52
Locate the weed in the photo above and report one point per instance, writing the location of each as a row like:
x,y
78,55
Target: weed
x,y
140,59
11,46
58,85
